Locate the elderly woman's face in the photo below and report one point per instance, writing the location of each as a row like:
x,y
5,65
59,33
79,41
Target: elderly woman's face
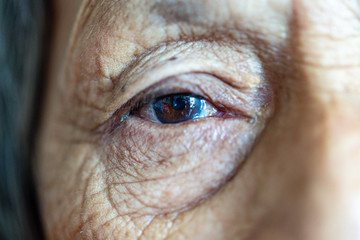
x,y
232,119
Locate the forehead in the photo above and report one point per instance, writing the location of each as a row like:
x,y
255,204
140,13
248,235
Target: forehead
x,y
271,16
261,15
111,29
106,25
270,19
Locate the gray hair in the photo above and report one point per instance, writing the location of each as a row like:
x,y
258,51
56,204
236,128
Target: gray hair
x,y
21,43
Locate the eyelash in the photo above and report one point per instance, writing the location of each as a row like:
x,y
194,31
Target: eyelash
x,y
169,86
149,95
175,108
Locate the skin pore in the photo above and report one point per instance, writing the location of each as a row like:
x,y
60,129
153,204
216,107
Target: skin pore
x,y
279,159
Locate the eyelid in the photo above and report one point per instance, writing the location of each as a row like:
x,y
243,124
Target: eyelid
x,y
242,82
159,89
235,65
181,84
147,112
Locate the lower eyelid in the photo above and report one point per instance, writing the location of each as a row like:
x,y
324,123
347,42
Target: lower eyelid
x,y
172,155
230,103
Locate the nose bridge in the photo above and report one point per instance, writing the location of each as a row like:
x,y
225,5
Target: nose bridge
x,y
325,42
318,149
330,206
310,181
313,180
326,48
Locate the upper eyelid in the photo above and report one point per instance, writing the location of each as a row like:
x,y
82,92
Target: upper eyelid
x,y
140,74
178,86
168,51
158,65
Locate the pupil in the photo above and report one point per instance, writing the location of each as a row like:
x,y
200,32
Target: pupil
x,y
179,102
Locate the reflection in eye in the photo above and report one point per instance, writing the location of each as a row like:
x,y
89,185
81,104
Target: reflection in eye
x,y
177,108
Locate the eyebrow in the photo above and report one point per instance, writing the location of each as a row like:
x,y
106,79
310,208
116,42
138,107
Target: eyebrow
x,y
174,11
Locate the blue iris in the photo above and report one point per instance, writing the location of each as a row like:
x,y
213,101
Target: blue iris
x,y
178,108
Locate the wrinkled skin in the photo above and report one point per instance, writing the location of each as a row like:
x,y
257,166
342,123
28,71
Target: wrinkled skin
x,y
285,162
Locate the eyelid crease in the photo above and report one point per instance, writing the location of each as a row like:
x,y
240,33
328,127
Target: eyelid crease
x,y
191,52
144,78
224,79
173,85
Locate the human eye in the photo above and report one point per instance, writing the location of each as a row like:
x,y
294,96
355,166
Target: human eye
x,y
181,131
184,98
175,108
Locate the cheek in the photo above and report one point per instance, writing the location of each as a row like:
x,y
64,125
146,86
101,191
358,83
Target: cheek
x,y
64,174
142,170
154,169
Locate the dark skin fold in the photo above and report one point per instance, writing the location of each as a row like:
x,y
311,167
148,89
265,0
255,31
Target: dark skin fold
x,y
276,156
